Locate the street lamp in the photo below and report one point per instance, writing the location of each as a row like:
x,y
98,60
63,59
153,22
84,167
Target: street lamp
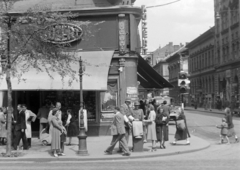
x,y
82,142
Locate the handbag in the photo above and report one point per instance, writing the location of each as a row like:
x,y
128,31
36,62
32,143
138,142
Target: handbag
x,y
181,124
113,129
164,118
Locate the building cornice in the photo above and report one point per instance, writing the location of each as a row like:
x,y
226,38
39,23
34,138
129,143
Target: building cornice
x,y
96,11
209,34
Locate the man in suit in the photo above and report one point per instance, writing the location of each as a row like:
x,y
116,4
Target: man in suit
x,y
119,136
20,127
126,111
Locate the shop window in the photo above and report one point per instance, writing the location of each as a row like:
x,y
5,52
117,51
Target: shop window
x,y
109,98
71,100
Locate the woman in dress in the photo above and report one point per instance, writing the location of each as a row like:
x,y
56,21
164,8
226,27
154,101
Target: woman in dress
x,y
228,117
57,130
151,127
162,120
72,126
181,134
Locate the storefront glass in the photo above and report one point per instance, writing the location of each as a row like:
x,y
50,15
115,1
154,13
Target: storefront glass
x,y
71,100
109,99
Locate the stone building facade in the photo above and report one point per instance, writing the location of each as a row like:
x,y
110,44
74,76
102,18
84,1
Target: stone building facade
x,y
201,68
227,51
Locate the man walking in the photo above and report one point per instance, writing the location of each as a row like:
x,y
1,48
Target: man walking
x,y
127,115
20,127
118,134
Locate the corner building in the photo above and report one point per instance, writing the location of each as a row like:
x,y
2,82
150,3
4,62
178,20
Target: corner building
x,y
109,49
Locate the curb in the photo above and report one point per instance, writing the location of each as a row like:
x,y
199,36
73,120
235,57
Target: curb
x,y
98,159
202,111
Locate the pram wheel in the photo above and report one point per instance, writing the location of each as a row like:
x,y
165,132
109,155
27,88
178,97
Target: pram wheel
x,y
45,143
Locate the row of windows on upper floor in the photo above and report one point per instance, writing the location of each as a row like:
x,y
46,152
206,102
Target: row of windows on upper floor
x,y
228,19
225,39
201,61
227,55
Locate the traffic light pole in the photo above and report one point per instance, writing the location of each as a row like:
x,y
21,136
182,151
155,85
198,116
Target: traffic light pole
x,y
182,103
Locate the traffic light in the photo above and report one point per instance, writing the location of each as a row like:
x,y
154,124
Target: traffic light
x,y
144,30
183,82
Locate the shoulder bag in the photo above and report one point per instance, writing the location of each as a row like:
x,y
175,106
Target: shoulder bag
x,y
181,124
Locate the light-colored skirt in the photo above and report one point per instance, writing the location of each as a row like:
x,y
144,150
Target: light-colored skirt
x,y
56,141
3,131
151,131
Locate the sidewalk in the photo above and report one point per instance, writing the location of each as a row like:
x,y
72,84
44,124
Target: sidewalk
x,y
97,145
203,110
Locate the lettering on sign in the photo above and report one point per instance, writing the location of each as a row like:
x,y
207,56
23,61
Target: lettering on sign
x,y
61,33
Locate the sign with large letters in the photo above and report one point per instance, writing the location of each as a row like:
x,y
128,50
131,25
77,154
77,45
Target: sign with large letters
x,y
62,33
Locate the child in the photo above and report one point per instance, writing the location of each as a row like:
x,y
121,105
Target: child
x,y
224,131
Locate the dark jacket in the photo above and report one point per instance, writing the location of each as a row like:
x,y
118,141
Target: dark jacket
x,y
20,121
159,121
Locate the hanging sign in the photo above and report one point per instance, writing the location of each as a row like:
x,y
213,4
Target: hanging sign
x,y
61,33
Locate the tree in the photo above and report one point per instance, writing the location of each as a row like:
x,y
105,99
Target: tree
x,y
26,44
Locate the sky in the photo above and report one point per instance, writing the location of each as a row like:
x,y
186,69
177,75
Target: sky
x,y
180,22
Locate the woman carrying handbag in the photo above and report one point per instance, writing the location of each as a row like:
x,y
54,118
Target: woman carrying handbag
x,y
182,132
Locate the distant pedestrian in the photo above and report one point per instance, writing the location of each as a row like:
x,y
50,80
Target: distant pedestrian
x,y
195,103
118,132
151,127
162,120
182,132
210,104
224,131
229,121
71,126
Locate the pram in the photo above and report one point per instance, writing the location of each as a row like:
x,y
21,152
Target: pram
x,y
45,137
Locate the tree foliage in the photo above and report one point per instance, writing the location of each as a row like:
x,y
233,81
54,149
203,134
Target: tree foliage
x,y
22,46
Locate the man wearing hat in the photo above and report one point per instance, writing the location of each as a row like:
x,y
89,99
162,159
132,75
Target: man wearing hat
x,y
127,114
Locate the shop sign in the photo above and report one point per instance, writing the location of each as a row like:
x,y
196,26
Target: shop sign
x,y
61,33
132,92
228,73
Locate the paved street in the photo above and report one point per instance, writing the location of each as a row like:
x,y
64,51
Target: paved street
x,y
201,124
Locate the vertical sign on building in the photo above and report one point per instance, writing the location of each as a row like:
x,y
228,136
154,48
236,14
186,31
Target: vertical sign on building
x,y
144,30
122,34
